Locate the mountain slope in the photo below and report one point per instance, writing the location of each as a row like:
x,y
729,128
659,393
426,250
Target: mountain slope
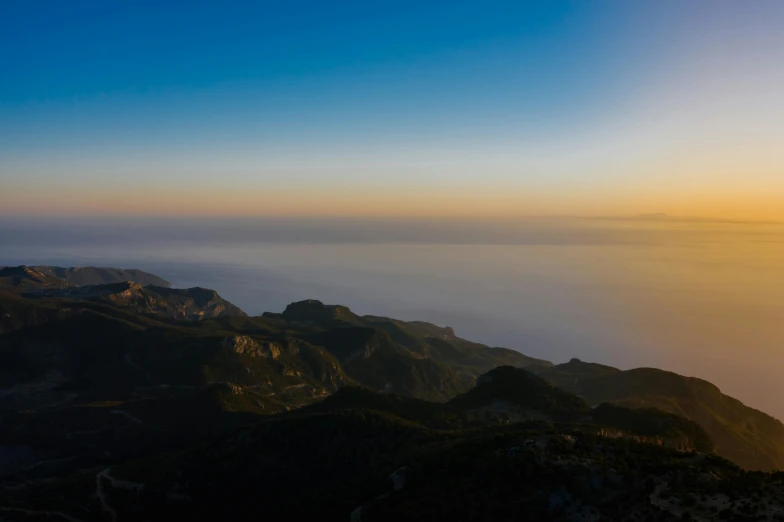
x,y
113,408
372,358
509,388
507,394
441,359
92,275
442,344
24,278
152,295
86,370
185,304
361,455
746,436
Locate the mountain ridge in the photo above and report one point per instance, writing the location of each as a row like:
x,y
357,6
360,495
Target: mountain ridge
x,y
92,275
64,347
742,434
108,401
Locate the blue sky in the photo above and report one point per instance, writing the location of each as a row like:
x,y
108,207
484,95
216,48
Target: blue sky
x,y
306,67
528,96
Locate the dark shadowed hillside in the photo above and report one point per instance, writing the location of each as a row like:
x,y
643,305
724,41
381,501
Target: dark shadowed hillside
x,y
123,402
364,455
744,435
520,391
84,370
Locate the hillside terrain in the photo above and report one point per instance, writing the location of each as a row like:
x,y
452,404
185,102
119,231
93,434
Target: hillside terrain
x,y
20,278
366,455
80,276
746,436
174,303
91,275
127,402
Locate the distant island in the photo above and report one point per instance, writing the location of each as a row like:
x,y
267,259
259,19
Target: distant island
x,y
661,216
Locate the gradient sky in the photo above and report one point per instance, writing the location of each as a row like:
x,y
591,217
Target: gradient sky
x,y
401,108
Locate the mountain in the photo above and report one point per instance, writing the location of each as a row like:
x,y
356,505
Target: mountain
x,y
413,358
123,402
369,456
55,349
432,415
54,282
507,394
91,275
429,341
746,436
182,304
24,278
86,371
514,390
38,277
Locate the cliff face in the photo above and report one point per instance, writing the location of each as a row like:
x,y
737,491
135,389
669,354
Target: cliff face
x,y
244,345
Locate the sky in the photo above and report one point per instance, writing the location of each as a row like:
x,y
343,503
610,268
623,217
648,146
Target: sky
x,y
346,126
392,109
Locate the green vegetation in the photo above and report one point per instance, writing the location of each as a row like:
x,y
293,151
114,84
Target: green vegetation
x,y
163,404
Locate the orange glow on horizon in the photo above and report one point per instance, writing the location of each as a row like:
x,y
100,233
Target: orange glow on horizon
x,y
425,202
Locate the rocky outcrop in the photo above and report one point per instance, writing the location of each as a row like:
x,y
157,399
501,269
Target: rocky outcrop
x,y
244,345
